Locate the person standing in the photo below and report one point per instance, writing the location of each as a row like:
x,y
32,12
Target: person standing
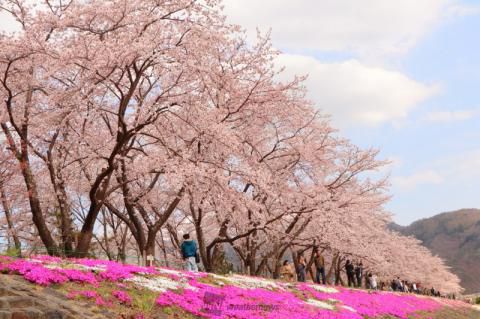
x,y
301,269
359,274
286,271
398,285
320,267
372,281
189,252
350,273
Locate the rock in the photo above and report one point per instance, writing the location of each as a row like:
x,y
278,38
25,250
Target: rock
x,y
54,293
3,292
54,314
19,301
22,300
5,314
4,304
19,315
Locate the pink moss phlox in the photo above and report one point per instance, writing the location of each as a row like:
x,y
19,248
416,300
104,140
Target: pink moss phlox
x,y
245,303
115,271
122,296
121,285
99,301
205,300
376,304
36,273
79,276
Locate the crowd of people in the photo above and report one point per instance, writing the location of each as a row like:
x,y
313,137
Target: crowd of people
x,y
290,273
355,273
356,277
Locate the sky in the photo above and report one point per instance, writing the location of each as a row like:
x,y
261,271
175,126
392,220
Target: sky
x,y
401,76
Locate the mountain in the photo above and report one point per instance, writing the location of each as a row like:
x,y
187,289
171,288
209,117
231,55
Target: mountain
x,y
455,237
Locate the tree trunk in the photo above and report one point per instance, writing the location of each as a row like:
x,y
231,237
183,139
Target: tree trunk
x,y
105,236
206,260
62,199
164,249
35,207
150,246
25,167
8,216
338,272
310,264
332,269
86,234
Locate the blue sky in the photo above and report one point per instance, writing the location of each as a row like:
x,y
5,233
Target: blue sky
x,y
402,76
450,56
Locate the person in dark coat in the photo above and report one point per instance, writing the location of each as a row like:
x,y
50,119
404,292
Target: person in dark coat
x,y
350,273
189,252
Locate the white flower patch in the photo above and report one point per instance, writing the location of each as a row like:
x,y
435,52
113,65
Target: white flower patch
x,y
320,304
36,261
349,308
90,268
159,284
324,289
476,307
171,272
252,282
52,266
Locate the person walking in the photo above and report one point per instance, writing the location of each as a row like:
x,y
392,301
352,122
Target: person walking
x,y
350,273
320,267
189,253
286,271
301,269
359,274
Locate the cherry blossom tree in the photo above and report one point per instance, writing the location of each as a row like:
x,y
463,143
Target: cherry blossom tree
x,y
130,122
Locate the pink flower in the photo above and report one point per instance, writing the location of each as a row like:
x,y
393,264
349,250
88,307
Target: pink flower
x,y
79,276
122,296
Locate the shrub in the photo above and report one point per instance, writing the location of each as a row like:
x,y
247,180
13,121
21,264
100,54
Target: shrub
x,y
13,252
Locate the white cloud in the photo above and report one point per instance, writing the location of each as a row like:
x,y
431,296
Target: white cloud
x,y
357,94
461,167
458,169
411,182
366,27
450,116
463,10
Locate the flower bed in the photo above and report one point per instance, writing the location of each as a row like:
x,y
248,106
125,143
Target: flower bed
x,y
142,289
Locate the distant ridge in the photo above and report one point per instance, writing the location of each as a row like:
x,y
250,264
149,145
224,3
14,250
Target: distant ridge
x,y
454,236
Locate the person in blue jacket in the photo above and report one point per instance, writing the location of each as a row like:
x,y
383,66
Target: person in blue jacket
x,y
189,251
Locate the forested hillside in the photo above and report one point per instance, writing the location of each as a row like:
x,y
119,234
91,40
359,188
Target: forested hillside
x,y
454,236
